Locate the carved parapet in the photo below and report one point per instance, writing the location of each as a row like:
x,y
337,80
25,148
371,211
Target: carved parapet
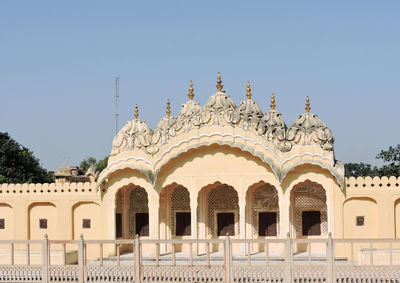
x,y
376,183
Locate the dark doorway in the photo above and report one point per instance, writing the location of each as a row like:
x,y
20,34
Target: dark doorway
x,y
226,224
311,222
267,224
182,222
118,225
142,224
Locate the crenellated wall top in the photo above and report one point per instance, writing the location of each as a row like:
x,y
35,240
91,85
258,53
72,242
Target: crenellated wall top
x,y
368,182
52,188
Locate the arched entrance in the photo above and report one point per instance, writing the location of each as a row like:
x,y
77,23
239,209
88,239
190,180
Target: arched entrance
x,y
308,210
218,211
263,210
131,212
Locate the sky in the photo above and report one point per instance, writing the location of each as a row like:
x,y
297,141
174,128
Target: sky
x,y
59,61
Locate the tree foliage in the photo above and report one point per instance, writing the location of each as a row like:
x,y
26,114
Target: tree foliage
x,y
19,165
391,156
89,161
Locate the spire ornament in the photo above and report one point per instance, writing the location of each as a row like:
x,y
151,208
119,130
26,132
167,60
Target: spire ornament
x,y
219,82
248,90
136,112
308,108
191,94
272,102
168,108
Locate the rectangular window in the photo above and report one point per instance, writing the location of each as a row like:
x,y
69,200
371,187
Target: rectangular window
x,y
267,224
2,223
360,220
86,223
118,225
182,224
311,223
43,223
226,224
142,224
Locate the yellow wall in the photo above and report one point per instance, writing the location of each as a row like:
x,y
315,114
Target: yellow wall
x,y
365,207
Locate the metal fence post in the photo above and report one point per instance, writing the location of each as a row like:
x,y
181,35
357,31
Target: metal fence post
x,y
330,258
45,259
81,259
288,260
137,260
228,258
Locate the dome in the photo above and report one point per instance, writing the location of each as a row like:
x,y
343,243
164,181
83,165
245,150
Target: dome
x,y
135,135
309,129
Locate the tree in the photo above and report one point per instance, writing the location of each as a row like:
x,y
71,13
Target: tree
x,y
102,164
360,169
392,155
89,161
19,165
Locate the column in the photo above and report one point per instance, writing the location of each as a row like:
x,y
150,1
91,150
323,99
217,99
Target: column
x,y
242,221
193,216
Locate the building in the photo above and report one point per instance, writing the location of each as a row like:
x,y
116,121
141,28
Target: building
x,y
213,169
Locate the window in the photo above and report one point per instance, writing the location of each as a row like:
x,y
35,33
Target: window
x,y
267,224
226,224
43,223
360,220
142,224
2,223
311,222
86,223
182,224
118,225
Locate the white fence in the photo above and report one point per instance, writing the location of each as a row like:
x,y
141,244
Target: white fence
x,y
220,260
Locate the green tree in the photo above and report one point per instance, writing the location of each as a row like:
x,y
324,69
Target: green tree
x,y
89,161
392,156
102,164
360,169
19,165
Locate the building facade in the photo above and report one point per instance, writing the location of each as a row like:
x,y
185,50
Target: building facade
x,y
210,171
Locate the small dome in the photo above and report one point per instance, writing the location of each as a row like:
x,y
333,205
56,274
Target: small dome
x,y
309,129
134,135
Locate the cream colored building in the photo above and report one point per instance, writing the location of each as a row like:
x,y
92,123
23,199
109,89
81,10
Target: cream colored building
x,y
213,169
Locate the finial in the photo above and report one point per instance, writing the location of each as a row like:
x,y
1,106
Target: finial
x,y
168,108
308,105
191,94
248,90
273,101
136,112
219,82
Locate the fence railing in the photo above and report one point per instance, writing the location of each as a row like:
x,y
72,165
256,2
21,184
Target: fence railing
x,y
201,260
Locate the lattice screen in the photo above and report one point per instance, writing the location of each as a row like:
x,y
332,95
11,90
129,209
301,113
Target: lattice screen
x,y
265,198
221,198
310,196
118,202
138,203
180,200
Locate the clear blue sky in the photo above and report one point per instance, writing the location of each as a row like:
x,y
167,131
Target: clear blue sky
x,y
59,60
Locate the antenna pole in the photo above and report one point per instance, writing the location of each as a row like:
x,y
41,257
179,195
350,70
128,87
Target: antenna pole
x,y
116,105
